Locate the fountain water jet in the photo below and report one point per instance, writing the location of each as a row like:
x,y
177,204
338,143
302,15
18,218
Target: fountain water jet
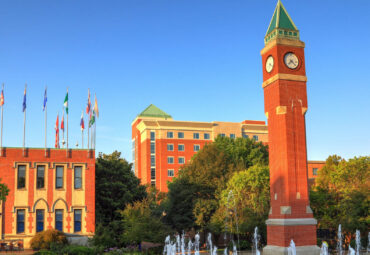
x,y
291,248
358,242
324,249
256,239
340,238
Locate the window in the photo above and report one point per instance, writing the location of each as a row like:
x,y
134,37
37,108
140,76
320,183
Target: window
x,y
170,160
196,147
152,182
195,135
169,134
232,136
245,136
152,136
181,160
152,160
77,220
152,148
59,177
181,147
169,147
20,220
40,182
255,137
314,171
180,135
39,220
59,219
78,177
206,136
170,173
222,135
152,173
21,177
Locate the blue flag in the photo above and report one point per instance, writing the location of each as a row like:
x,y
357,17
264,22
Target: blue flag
x,y
45,100
24,100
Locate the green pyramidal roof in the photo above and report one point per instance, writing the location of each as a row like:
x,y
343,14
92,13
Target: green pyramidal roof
x,y
154,111
281,25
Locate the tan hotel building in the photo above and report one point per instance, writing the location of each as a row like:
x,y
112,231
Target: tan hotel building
x,y
162,145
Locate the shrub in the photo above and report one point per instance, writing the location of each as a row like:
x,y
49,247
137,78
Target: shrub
x,y
44,239
45,252
77,250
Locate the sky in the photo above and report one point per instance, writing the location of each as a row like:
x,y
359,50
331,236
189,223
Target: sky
x,y
196,60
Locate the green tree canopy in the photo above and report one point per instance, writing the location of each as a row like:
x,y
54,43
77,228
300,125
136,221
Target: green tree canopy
x,y
341,194
116,186
194,196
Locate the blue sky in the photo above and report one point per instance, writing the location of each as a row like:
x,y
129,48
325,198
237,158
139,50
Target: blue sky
x,y
196,60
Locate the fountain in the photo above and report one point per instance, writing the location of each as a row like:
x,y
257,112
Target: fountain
x,y
235,251
182,243
291,248
196,244
209,243
368,242
190,245
340,238
256,239
324,248
358,242
351,251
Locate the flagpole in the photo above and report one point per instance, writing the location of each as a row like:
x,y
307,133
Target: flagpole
x,y
67,121
88,132
95,134
24,121
82,133
1,137
46,116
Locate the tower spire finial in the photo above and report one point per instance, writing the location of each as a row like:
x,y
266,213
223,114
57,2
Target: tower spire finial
x,y
281,25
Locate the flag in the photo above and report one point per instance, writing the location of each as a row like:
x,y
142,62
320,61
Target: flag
x,y
92,119
66,102
88,108
57,132
45,100
24,100
82,124
2,97
96,110
62,123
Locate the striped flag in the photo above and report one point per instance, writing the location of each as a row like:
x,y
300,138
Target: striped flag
x,y
66,102
45,99
88,108
82,124
2,97
62,123
24,100
96,110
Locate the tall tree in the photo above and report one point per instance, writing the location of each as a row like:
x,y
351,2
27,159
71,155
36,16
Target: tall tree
x,y
342,195
116,186
194,196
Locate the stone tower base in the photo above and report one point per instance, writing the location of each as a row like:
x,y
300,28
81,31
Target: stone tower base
x,y
301,250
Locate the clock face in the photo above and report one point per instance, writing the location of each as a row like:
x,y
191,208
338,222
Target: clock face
x,y
291,60
269,64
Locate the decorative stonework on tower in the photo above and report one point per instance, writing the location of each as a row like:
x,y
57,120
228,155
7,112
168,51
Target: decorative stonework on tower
x,y
285,95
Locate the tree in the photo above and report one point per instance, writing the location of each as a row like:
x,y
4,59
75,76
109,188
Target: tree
x,y
140,224
193,197
342,195
116,186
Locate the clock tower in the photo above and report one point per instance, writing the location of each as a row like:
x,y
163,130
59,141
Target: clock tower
x,y
285,96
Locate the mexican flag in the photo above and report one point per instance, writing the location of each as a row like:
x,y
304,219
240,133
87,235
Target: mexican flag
x,y
66,102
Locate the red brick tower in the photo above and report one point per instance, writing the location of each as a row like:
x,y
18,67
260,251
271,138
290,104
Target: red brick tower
x,y
284,84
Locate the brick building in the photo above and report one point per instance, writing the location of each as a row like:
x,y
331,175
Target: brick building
x,y
162,145
48,189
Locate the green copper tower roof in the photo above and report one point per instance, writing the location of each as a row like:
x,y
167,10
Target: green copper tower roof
x,y
154,111
281,25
